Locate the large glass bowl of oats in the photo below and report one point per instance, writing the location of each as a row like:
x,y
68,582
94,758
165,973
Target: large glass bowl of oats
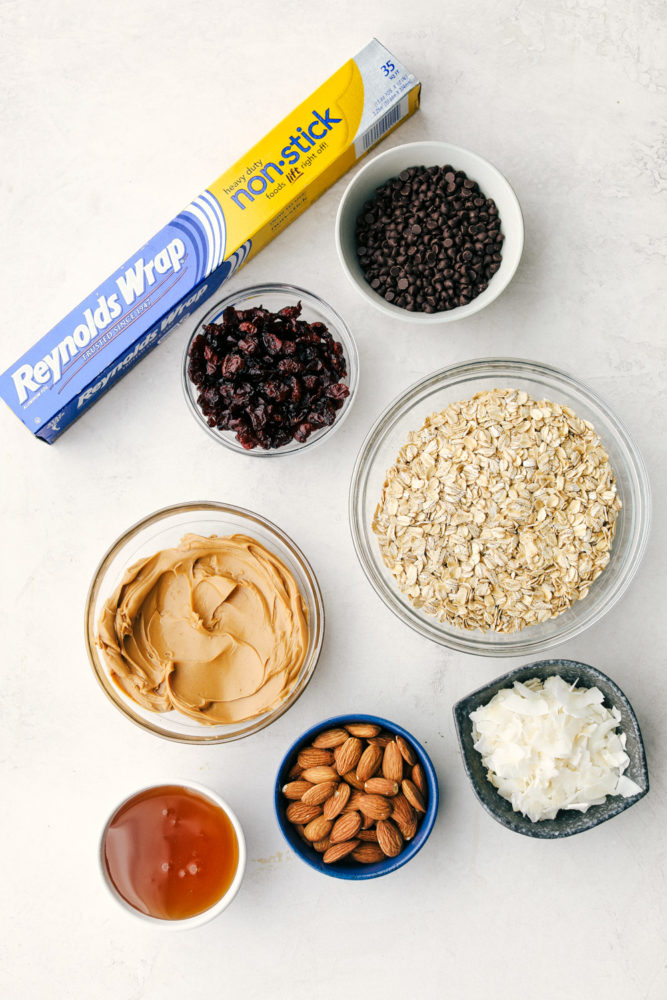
x,y
499,507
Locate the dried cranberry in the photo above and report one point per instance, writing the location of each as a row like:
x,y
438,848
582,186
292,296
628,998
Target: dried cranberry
x,y
338,391
269,377
302,432
232,365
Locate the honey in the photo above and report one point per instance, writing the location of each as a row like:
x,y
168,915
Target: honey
x,y
171,852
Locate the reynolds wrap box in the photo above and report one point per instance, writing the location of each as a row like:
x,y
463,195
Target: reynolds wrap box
x,y
58,378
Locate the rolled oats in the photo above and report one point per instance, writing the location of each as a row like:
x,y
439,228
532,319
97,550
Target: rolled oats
x,y
499,513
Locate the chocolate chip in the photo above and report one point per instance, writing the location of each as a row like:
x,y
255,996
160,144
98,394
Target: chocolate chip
x,y
429,240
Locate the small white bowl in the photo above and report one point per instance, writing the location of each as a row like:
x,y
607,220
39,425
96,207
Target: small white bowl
x,y
429,154
205,915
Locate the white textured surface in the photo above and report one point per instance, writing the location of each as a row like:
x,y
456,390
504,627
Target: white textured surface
x,y
110,123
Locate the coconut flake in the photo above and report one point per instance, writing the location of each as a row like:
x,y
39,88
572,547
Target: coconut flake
x,y
550,746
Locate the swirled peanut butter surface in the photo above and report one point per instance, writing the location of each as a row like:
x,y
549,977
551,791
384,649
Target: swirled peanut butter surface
x,y
215,628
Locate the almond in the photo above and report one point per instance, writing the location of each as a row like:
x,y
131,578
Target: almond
x,y
299,830
374,806
380,786
413,795
330,738
335,805
408,827
318,829
338,851
389,838
401,810
404,816
347,755
351,778
419,778
407,753
297,812
312,757
368,854
346,827
381,740
354,802
295,789
369,762
368,835
317,794
322,845
392,762
320,773
364,730
368,823
294,772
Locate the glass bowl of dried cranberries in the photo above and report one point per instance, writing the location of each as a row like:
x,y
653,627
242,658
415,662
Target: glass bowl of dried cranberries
x,y
270,370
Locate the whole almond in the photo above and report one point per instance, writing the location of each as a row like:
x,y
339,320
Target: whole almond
x,y
413,795
368,854
381,740
318,829
354,802
299,829
407,827
389,838
323,772
369,762
294,772
374,806
295,789
368,835
330,738
404,816
322,845
392,762
368,823
401,810
298,812
353,780
419,778
312,757
335,805
317,794
381,786
407,753
346,827
338,851
364,730
347,755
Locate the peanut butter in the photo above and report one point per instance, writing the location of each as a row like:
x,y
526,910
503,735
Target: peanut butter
x,y
215,628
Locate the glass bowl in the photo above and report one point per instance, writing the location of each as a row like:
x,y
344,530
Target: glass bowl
x,y
314,310
407,413
161,530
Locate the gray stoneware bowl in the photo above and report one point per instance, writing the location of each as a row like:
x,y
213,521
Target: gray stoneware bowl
x,y
566,823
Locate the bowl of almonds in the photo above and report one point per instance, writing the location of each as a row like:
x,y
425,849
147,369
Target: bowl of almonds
x,y
356,797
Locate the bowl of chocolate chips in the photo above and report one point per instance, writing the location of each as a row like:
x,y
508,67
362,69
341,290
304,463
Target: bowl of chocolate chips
x,y
270,370
429,232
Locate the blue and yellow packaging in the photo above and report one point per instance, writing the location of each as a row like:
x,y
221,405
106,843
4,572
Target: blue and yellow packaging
x,y
66,371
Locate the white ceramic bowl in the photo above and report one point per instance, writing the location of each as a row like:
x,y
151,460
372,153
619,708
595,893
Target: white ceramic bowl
x,y
429,154
205,915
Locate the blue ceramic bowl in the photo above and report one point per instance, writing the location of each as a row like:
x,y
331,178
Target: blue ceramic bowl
x,y
344,869
566,823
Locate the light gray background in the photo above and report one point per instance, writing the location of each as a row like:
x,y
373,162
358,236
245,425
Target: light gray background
x,y
113,117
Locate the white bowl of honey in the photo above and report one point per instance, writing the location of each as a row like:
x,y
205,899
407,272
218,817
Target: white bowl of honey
x,y
173,855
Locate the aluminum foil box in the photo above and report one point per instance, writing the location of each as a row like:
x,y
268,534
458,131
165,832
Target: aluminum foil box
x,y
65,372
